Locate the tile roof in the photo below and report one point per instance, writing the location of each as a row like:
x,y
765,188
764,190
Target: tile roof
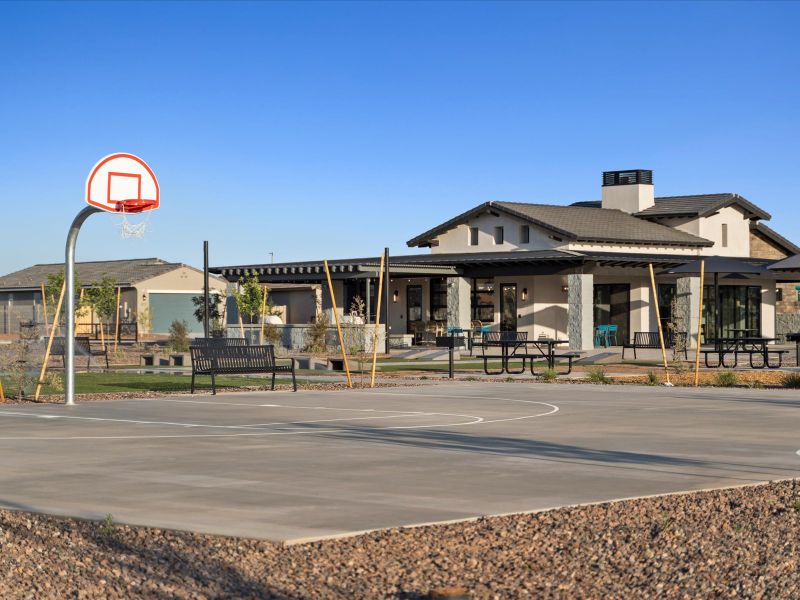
x,y
124,272
579,223
700,205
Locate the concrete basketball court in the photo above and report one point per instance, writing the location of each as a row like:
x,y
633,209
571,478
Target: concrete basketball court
x,y
290,467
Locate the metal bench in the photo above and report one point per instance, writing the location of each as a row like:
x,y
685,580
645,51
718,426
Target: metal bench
x,y
83,347
213,357
650,339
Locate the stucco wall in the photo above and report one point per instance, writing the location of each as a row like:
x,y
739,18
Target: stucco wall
x,y
457,239
710,228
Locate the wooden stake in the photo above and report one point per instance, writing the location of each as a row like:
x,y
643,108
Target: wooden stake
x,y
50,344
263,311
338,326
2,393
377,325
44,306
116,323
699,324
658,320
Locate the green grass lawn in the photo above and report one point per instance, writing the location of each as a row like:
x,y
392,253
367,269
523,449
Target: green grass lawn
x,y
92,383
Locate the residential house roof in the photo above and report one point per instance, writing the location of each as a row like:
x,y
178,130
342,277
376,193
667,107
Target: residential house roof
x,y
577,223
700,206
125,273
773,236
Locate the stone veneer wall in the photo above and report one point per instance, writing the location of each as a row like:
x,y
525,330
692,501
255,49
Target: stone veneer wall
x,y
787,309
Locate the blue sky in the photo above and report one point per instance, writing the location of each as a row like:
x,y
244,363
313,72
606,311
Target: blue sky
x,y
335,129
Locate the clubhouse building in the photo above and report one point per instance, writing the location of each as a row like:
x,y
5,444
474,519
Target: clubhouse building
x,y
560,271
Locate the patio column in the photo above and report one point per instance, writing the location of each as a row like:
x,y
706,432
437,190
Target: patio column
x,y
458,302
580,311
686,297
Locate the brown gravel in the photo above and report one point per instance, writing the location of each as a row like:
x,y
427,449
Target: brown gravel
x,y
740,542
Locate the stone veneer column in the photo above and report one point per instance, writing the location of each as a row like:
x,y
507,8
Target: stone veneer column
x,y
580,313
459,299
686,298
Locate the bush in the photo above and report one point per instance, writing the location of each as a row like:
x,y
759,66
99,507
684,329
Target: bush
x,y
548,375
726,379
652,378
179,336
791,380
598,375
317,333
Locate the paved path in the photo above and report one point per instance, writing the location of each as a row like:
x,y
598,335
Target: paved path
x,y
292,466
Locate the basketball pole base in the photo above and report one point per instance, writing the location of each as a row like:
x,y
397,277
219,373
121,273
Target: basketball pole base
x,y
69,278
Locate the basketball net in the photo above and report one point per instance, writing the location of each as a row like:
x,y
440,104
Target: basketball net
x,y
130,229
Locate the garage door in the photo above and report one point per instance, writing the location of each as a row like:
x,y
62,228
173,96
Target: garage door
x,y
166,307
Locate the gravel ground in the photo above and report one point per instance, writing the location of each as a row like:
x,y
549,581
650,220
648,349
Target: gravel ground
x,y
739,542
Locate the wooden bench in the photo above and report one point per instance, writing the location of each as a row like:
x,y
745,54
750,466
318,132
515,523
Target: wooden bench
x,y
83,347
650,339
212,357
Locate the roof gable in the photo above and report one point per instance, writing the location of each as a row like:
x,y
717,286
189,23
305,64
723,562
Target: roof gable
x,y
577,223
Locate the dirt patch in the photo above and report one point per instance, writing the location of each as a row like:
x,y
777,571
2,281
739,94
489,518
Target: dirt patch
x,y
741,542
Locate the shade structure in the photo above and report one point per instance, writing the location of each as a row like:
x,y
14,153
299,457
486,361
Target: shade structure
x,y
720,265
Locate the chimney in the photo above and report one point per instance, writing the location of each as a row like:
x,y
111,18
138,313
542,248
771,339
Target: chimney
x,y
628,191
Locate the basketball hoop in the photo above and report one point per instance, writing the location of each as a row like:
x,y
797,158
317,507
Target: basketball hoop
x,y
129,229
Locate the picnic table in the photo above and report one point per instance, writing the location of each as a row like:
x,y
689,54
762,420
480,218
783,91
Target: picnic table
x,y
750,345
514,345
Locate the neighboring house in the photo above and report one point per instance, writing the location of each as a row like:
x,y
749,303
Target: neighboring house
x,y
163,288
559,271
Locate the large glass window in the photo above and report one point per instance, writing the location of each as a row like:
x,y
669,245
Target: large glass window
x,y
358,287
667,292
483,300
612,306
439,299
740,309
508,307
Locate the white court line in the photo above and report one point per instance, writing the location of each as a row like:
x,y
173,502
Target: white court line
x,y
475,420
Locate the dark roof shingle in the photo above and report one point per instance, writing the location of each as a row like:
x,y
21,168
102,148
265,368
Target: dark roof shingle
x,y
124,272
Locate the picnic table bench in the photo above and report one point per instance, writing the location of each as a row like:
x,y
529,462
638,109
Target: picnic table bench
x,y
83,347
650,339
752,346
514,345
230,356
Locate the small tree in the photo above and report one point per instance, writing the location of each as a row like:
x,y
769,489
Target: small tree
x,y
250,300
52,292
216,308
145,320
102,298
179,336
356,334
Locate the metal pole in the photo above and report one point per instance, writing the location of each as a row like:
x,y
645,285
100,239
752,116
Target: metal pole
x,y
205,290
452,349
387,285
69,276
717,310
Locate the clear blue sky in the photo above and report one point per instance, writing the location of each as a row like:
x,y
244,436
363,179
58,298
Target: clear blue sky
x,y
335,129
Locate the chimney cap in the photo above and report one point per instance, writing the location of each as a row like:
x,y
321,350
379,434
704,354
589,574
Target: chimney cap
x,y
629,177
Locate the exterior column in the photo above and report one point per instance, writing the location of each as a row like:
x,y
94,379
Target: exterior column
x,y
580,313
687,309
459,292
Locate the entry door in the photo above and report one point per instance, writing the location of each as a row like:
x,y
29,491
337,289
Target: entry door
x,y
413,308
612,306
508,307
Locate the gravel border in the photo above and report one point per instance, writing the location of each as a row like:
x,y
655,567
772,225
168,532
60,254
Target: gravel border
x,y
734,542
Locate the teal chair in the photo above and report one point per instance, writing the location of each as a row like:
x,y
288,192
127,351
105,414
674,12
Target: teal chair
x,y
611,334
601,336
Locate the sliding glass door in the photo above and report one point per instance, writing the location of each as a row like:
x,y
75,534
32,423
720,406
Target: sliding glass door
x,y
612,306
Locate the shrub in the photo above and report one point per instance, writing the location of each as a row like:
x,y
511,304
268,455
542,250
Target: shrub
x,y
791,380
726,379
179,336
652,378
548,375
598,375
317,333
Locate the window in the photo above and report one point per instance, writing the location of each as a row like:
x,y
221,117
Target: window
x,y
498,235
473,236
483,300
797,294
524,234
778,294
724,235
439,299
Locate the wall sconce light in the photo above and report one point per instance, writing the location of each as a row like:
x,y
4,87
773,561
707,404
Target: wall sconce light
x,y
524,293
394,296
565,288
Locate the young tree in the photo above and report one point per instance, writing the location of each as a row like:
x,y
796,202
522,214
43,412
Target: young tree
x,y
52,292
102,298
216,310
250,301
